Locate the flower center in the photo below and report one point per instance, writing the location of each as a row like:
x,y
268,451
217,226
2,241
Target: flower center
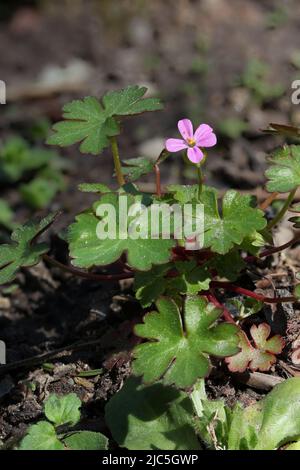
x,y
191,142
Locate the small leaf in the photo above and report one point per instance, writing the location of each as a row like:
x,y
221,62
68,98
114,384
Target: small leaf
x,y
88,250
40,191
6,215
86,440
93,122
238,221
149,285
151,417
229,265
136,167
178,348
183,193
41,436
63,410
262,356
94,188
192,278
23,251
284,172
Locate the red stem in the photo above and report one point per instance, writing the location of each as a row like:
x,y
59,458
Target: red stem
x,y
226,314
86,275
249,293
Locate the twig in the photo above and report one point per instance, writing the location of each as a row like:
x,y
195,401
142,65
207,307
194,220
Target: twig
x,y
259,380
40,358
86,275
267,202
249,293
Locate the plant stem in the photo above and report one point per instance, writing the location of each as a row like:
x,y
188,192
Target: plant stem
x,y
117,161
226,314
200,180
253,295
267,202
283,210
86,275
157,179
276,249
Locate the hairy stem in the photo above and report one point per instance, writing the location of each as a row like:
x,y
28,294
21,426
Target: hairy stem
x,y
86,275
226,314
117,161
283,210
253,295
157,179
200,180
277,249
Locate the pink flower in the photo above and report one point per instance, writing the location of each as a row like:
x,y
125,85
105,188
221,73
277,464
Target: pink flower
x,y
192,141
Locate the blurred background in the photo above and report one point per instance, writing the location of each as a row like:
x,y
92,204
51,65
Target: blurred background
x,y
227,63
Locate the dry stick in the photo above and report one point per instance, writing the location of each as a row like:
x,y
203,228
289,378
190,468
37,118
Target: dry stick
x,y
40,358
157,180
226,314
86,275
249,293
267,202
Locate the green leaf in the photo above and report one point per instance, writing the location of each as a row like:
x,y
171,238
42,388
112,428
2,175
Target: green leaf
x,y
262,356
89,250
246,307
183,193
136,167
149,285
94,188
294,446
40,191
151,417
41,436
280,415
229,265
86,440
6,215
191,279
284,173
23,251
179,347
239,219
93,122
63,410
17,158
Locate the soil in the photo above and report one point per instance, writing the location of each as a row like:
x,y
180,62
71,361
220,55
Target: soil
x,y
192,55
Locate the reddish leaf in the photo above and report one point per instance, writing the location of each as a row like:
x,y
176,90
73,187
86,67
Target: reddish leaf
x,y
259,356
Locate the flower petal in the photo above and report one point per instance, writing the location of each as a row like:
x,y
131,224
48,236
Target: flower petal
x,y
194,154
185,127
174,145
205,136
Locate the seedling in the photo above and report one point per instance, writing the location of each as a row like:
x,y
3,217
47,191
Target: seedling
x,y
57,433
256,78
180,274
37,172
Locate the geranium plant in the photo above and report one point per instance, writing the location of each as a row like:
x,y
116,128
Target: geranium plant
x,y
178,279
